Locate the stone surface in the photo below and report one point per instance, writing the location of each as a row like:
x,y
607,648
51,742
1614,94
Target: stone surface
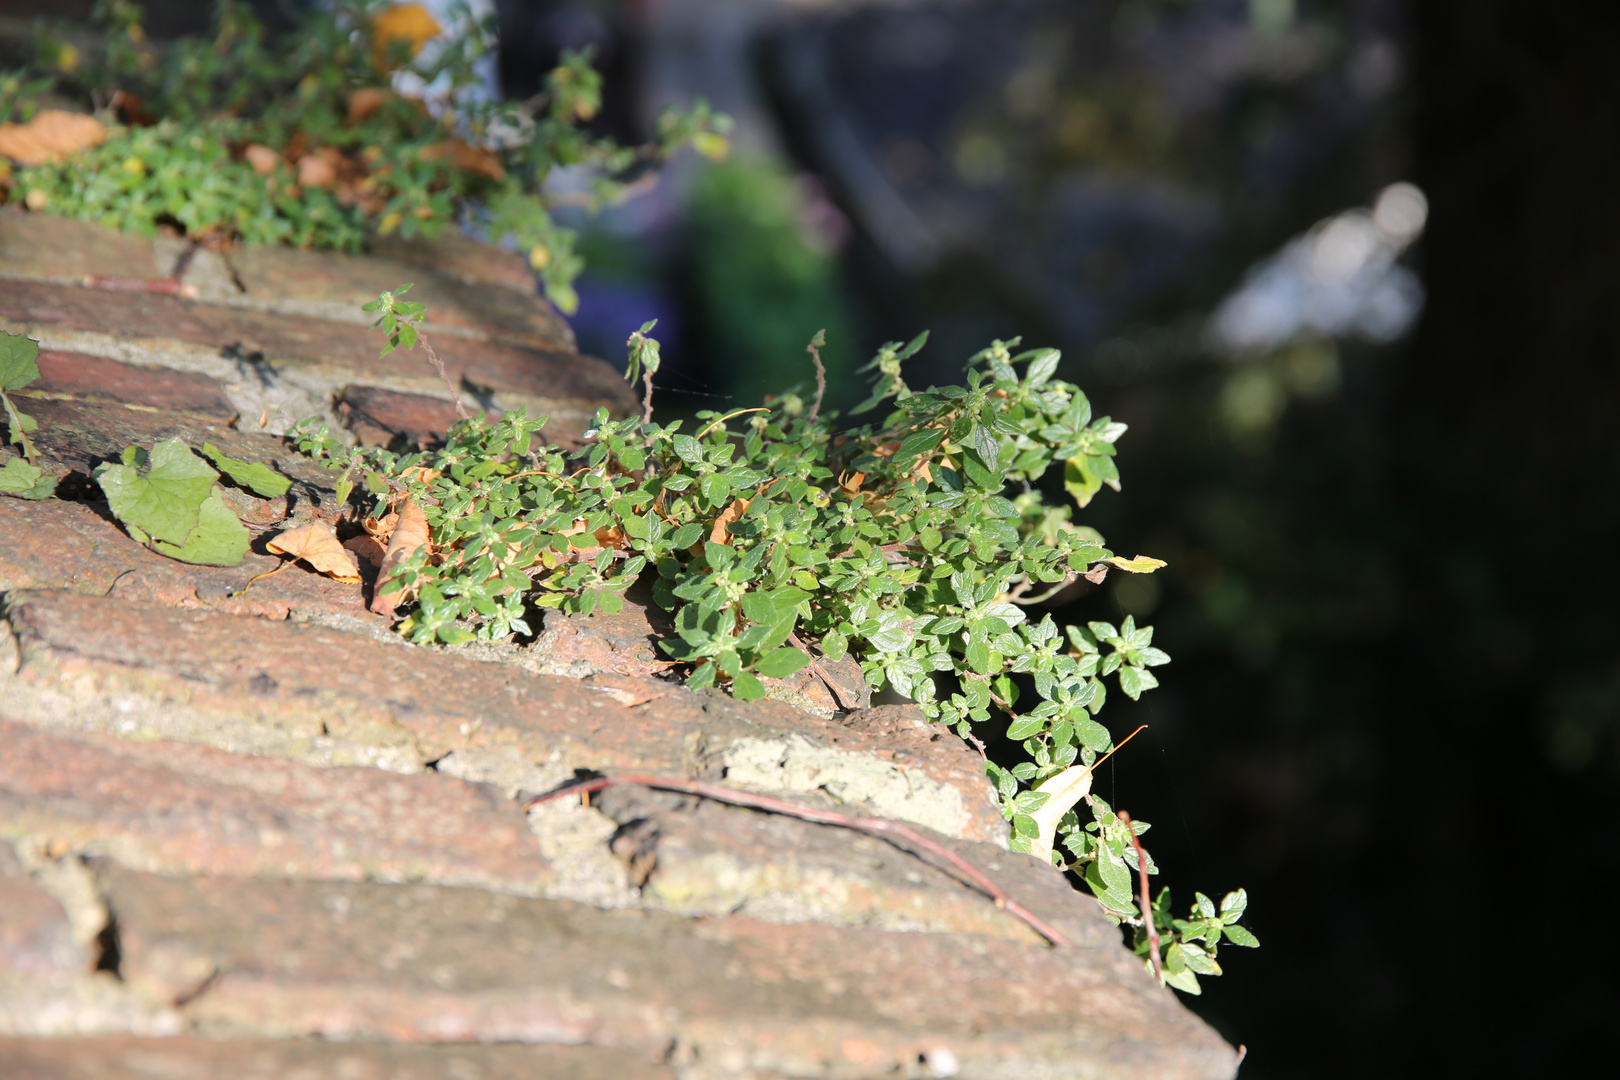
x,y
69,545
241,820
328,697
281,333
185,809
429,964
193,1058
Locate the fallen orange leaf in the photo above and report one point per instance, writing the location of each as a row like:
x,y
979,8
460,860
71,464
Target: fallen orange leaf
x,y
410,23
50,136
381,528
721,533
464,155
367,549
263,159
410,534
317,545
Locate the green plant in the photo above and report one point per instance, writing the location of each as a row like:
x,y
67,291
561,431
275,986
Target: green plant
x,y
912,544
303,141
19,366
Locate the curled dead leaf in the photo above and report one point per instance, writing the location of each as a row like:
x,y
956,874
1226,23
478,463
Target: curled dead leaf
x,y
381,528
410,23
367,549
263,159
410,534
318,546
1142,564
316,171
721,533
50,136
464,155
1096,574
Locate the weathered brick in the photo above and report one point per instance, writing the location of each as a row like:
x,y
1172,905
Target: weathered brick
x,y
380,417
178,808
35,935
338,285
188,1057
429,964
349,350
45,247
322,695
703,858
56,544
100,381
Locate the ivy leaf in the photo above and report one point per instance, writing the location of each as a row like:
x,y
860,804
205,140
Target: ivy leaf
x,y
257,478
165,502
26,481
218,540
19,356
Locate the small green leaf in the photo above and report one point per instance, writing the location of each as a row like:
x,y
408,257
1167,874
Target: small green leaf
x,y
19,364
781,663
1237,935
26,481
166,500
257,478
744,687
218,540
1025,727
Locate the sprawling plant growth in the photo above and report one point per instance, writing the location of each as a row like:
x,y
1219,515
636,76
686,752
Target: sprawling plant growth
x,y
314,139
781,539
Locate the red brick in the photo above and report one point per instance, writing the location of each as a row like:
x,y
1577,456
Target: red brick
x,y
56,544
100,381
427,964
554,374
44,246
178,808
323,695
35,935
191,1058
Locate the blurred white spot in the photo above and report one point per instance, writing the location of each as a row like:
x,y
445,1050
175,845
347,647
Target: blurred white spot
x,y
1339,279
941,1063
1400,212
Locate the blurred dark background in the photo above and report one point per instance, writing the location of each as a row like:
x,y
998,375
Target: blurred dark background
x,y
1348,270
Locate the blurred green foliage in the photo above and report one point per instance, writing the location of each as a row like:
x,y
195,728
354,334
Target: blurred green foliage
x,y
762,281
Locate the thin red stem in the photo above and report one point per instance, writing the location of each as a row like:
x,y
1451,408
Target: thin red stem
x,y
438,365
1142,881
823,817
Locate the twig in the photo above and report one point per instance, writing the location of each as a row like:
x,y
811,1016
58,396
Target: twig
x,y
1068,579
438,365
814,349
821,672
821,817
168,286
646,399
1147,908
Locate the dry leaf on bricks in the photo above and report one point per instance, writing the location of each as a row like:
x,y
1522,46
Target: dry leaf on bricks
x,y
317,545
410,533
51,136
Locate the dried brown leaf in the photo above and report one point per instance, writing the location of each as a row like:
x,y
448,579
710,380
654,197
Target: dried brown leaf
x,y
410,23
263,159
318,546
463,155
410,534
721,533
367,549
50,136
